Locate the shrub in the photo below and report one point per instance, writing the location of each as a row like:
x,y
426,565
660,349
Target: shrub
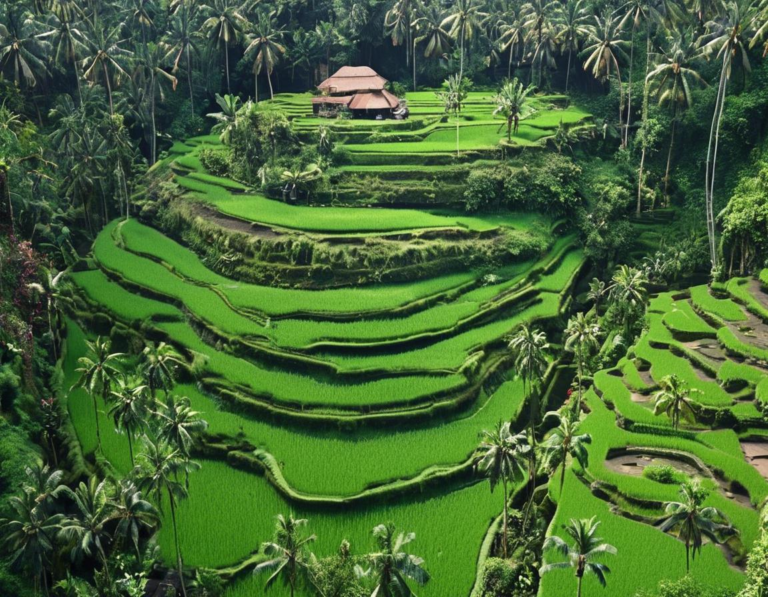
x,y
482,190
664,473
215,160
549,185
686,587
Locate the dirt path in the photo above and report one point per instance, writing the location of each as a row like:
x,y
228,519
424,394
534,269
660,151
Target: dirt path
x,y
756,290
756,453
235,224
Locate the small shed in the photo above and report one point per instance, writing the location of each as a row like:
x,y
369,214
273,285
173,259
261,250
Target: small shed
x,y
360,89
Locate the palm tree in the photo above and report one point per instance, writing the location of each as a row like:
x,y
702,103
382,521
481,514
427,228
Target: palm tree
x,y
528,350
157,474
565,441
65,38
298,179
596,292
43,484
582,336
301,51
673,399
154,78
225,27
181,41
728,38
605,48
288,552
179,425
672,81
227,118
30,535
587,547
512,35
512,103
452,99
327,36
692,522
105,52
87,531
265,43
627,292
23,49
98,370
129,408
464,23
159,362
430,24
133,514
537,16
398,23
501,456
391,566
571,19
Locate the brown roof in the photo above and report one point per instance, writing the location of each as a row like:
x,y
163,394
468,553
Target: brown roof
x,y
332,99
378,100
353,78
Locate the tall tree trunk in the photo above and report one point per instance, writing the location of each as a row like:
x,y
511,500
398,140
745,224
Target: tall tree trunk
x,y
578,587
153,148
179,561
109,88
509,64
461,78
579,356
687,559
189,82
505,516
669,158
98,426
269,80
414,64
256,85
710,174
625,138
226,65
130,447
568,71
644,139
562,473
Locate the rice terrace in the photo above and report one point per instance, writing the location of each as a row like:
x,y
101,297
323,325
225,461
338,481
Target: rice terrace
x,y
350,299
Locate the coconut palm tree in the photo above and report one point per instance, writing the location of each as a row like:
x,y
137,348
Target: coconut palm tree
x,y
673,79
288,553
605,48
44,485
511,35
99,369
23,49
528,350
502,456
582,555
134,514
159,362
571,19
129,408
224,27
565,441
154,78
537,16
179,425
692,522
728,38
582,336
65,37
513,104
596,292
181,41
673,399
430,26
105,52
30,536
464,23
86,531
627,292
265,44
391,566
398,24
157,475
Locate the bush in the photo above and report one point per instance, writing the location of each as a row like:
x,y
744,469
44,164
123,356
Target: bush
x,y
216,161
685,587
502,578
666,474
482,189
548,185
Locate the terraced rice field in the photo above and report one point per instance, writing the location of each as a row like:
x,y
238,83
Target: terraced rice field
x,y
350,406
684,338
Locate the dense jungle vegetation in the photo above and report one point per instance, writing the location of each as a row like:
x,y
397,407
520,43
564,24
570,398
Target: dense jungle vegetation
x,y
514,344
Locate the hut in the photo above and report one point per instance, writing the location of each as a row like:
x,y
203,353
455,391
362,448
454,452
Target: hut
x,y
359,89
